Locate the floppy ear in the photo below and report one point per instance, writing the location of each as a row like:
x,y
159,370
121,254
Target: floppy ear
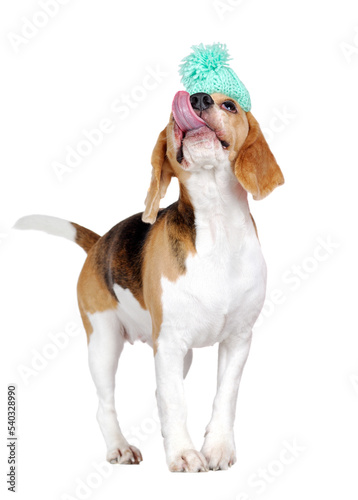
x,y
255,167
161,176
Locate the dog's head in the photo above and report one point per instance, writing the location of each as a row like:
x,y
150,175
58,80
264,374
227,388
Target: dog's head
x,y
208,130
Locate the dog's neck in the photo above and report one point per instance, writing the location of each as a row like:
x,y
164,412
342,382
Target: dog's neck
x,y
220,206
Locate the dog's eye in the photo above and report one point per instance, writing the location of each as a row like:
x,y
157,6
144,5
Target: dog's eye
x,y
229,106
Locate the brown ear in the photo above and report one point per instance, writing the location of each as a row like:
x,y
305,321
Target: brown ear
x,y
255,167
161,176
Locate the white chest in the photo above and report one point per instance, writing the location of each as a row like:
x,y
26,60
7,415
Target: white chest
x,y
217,297
223,289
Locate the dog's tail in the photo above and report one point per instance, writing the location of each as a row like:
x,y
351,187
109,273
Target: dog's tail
x,y
85,238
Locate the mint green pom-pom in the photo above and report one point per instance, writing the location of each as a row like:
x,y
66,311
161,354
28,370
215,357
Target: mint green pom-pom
x,y
202,61
206,69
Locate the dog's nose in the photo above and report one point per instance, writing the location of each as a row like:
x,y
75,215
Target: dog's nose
x,y
201,101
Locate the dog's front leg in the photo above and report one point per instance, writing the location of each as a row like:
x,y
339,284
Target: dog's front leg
x,y
219,444
180,453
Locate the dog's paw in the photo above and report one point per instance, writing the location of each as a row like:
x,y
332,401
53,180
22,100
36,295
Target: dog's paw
x,y
189,461
125,455
219,451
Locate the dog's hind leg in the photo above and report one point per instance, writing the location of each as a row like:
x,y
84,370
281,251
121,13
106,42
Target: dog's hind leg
x,y
104,348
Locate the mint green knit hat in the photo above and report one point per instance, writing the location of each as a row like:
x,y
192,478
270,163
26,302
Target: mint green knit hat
x,y
206,70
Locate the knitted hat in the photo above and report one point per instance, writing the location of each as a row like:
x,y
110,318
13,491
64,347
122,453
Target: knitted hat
x,y
206,70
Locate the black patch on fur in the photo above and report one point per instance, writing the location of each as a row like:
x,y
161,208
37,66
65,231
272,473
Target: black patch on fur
x,y
120,252
180,154
181,227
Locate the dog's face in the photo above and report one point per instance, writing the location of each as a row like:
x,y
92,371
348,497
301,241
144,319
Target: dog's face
x,y
221,137
223,132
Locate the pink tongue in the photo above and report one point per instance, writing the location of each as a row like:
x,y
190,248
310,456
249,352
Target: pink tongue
x,y
183,113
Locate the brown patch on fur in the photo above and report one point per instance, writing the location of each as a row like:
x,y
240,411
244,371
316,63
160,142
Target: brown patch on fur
x,y
85,238
229,127
171,240
256,168
164,167
92,292
161,176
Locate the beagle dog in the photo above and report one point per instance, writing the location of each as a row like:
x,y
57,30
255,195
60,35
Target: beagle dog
x,y
189,275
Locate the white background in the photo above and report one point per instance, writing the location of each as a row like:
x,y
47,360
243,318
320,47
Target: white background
x,y
300,385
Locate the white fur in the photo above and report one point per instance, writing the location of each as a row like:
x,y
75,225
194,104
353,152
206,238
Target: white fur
x,y
105,347
135,320
218,299
51,225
